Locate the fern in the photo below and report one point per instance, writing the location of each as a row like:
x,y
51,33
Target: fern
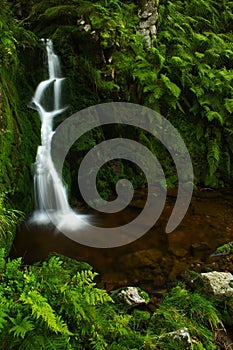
x,y
78,316
2,260
8,217
32,341
211,115
4,313
213,156
41,309
229,104
21,326
173,88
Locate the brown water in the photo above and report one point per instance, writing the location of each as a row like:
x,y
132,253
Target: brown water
x,y
153,259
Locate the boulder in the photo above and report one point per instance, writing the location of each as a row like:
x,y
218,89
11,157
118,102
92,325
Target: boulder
x,y
218,285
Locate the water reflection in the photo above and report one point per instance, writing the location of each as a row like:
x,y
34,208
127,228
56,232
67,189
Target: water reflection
x,y
154,258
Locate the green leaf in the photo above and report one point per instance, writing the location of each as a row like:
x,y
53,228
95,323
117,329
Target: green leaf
x,y
21,326
172,87
229,104
211,115
41,309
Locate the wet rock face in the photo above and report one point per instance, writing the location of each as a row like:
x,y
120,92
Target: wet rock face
x,y
148,15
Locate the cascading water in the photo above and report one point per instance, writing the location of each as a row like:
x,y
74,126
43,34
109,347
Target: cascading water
x,y
51,202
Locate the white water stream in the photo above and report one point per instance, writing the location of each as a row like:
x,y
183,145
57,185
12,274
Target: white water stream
x,y
51,202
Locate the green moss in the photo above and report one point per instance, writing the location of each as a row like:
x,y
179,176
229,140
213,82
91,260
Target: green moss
x,y
183,309
187,76
226,248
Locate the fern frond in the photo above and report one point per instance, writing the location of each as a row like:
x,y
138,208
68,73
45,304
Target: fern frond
x,y
41,309
21,326
2,259
211,115
12,268
213,156
4,313
229,104
31,341
54,342
172,87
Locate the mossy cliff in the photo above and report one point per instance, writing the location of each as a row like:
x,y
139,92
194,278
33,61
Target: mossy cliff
x,y
19,130
110,52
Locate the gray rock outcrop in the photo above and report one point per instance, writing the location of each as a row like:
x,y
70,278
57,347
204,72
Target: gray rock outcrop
x,y
148,15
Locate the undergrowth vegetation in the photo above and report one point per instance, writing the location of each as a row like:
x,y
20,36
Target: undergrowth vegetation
x,y
9,219
196,49
186,75
17,128
55,304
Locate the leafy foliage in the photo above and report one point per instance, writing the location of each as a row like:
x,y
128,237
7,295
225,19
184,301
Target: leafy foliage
x,y
16,155
194,82
47,306
187,76
55,304
9,218
183,309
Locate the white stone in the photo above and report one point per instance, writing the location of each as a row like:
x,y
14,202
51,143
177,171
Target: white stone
x,y
87,27
219,284
131,296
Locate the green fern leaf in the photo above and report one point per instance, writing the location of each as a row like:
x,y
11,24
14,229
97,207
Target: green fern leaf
x,y
213,156
199,131
198,90
211,115
229,104
41,309
3,313
32,341
21,326
13,268
172,87
158,57
2,259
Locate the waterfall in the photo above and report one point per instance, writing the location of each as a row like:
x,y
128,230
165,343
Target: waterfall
x,y
51,202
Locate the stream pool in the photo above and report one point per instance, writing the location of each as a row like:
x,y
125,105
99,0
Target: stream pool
x,y
151,260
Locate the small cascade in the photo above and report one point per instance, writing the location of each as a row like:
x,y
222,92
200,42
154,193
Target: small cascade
x,y
51,202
